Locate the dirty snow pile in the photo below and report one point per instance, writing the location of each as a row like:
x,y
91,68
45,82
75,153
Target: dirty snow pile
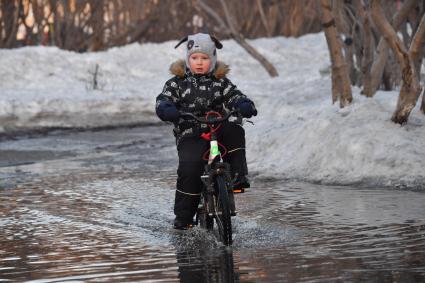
x,y
298,133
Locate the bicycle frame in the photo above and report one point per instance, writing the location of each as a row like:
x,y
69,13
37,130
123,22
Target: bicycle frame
x,y
217,199
216,167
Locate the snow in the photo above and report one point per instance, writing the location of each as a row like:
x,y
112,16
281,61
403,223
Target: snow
x,y
298,134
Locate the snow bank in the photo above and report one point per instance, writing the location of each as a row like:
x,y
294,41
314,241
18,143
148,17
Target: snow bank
x,y
298,134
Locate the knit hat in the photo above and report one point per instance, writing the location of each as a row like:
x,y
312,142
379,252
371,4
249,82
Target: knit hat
x,y
202,43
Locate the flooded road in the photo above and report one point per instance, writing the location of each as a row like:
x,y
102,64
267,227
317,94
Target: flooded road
x,y
97,207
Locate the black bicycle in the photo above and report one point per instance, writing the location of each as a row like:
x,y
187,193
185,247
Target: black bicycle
x,y
217,197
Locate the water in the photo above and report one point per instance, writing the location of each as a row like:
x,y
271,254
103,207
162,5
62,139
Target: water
x,y
97,207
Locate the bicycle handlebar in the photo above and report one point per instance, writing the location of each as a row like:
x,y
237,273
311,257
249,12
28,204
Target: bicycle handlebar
x,y
211,121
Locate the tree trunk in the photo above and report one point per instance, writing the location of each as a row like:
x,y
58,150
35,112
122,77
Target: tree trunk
x,y
341,88
417,50
263,18
382,49
387,77
417,47
367,58
410,89
11,25
97,23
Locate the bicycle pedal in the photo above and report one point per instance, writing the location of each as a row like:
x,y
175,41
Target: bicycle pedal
x,y
204,177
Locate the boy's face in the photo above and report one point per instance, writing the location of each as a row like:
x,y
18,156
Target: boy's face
x,y
199,63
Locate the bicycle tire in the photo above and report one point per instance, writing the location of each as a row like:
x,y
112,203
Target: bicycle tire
x,y
205,221
222,212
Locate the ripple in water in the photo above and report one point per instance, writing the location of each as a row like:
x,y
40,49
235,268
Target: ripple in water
x,y
105,222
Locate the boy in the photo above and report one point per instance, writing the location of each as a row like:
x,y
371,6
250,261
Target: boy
x,y
200,85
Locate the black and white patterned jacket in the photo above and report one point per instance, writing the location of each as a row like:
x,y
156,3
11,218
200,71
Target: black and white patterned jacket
x,y
198,94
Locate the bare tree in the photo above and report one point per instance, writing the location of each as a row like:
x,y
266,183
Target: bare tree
x,y
9,22
423,103
230,27
410,89
417,50
367,45
263,17
91,25
341,88
380,61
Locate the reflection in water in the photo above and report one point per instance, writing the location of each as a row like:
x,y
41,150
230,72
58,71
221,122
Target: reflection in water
x,y
203,265
104,215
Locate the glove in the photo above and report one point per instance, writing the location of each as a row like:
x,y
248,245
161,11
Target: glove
x,y
246,107
167,111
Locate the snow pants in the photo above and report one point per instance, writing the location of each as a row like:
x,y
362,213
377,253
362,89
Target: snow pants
x,y
191,166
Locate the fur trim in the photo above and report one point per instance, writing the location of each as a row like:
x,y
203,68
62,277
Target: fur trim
x,y
178,69
221,70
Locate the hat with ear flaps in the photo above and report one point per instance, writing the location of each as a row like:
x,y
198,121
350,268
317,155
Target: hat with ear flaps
x,y
201,43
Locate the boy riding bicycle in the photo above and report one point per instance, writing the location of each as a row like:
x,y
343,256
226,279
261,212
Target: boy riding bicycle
x,y
200,85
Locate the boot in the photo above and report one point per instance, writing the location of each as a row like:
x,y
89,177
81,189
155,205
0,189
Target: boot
x,y
179,224
241,182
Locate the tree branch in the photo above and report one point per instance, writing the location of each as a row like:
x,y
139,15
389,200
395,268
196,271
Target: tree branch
x,y
231,30
213,14
251,50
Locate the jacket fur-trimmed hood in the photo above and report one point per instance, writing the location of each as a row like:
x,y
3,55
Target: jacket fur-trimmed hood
x,y
178,68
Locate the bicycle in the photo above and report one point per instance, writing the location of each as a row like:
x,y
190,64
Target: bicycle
x,y
217,197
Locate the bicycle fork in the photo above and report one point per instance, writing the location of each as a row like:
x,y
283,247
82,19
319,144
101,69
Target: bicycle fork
x,y
209,181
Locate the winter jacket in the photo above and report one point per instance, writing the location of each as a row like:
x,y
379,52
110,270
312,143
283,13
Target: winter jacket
x,y
198,94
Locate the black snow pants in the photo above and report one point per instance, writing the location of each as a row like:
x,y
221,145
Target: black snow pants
x,y
191,166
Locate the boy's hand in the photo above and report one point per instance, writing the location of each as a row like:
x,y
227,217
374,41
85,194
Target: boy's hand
x,y
247,108
167,111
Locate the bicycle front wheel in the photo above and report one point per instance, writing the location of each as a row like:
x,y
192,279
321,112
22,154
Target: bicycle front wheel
x,y
222,213
205,221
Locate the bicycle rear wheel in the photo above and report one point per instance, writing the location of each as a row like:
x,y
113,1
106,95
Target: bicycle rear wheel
x,y
222,213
